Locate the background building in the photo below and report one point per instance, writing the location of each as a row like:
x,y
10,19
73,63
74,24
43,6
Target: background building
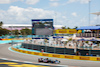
x,y
22,26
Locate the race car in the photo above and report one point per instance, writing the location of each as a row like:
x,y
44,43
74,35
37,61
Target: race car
x,y
40,59
46,60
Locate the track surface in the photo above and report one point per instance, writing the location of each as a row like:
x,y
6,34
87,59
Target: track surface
x,y
7,63
5,53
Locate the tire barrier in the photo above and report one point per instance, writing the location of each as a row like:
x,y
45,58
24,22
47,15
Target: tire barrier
x,y
58,55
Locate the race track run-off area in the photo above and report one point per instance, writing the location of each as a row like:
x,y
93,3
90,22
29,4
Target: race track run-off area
x,y
5,54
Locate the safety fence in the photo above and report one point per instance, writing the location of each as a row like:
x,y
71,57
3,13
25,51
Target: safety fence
x,y
48,49
60,50
58,55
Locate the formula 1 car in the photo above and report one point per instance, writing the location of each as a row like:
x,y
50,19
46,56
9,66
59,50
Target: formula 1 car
x,y
46,60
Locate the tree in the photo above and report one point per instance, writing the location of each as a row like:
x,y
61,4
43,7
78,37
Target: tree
x,y
26,31
16,32
4,31
75,27
63,27
68,27
1,23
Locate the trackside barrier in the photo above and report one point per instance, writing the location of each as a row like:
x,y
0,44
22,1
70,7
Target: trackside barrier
x,y
17,39
58,55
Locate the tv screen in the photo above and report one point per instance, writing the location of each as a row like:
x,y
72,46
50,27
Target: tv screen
x,y
42,26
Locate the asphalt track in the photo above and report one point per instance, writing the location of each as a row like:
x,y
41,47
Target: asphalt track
x,y
6,53
7,63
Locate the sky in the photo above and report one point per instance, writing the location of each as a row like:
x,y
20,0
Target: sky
x,y
70,13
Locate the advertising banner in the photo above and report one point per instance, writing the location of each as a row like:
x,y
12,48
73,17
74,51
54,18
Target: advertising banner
x,y
19,50
35,53
23,51
65,31
69,57
29,52
55,55
59,56
84,58
98,59
45,54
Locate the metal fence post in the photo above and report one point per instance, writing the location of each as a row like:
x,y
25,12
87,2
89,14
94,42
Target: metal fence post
x,y
64,50
45,48
27,45
89,52
54,50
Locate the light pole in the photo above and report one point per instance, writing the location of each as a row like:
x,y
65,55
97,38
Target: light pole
x,y
55,16
89,19
89,11
98,19
12,34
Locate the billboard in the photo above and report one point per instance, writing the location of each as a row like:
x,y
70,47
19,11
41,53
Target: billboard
x,y
42,26
65,31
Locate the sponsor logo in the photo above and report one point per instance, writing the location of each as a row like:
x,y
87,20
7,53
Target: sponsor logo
x,y
98,59
84,58
62,31
24,51
45,54
56,55
70,57
36,53
72,31
29,52
19,50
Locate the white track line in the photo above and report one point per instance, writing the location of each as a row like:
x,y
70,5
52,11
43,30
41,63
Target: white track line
x,y
4,58
27,62
14,60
